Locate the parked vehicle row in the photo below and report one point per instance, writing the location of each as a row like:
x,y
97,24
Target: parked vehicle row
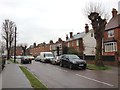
x,y
69,60
24,59
47,57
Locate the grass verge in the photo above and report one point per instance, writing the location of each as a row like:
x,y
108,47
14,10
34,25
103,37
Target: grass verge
x,y
94,67
35,83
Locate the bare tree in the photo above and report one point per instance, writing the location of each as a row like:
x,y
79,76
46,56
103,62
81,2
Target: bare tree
x,y
95,15
24,49
8,28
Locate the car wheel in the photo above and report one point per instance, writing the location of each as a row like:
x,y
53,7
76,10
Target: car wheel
x,y
30,61
61,64
70,66
52,62
84,67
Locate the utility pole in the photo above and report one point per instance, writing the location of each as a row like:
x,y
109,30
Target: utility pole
x,y
15,46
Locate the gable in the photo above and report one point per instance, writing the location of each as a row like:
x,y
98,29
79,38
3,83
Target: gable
x,y
113,23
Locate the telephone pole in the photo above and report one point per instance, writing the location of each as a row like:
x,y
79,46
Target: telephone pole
x,y
15,46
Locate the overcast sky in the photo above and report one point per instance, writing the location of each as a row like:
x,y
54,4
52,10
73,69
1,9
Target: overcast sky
x,y
44,20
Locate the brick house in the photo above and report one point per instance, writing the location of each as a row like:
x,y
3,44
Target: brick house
x,y
83,42
111,39
56,48
18,51
42,47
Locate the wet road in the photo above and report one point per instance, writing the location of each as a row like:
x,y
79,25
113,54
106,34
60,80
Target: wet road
x,y
54,76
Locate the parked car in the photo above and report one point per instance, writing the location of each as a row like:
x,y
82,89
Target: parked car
x,y
31,57
56,60
72,61
37,58
26,59
46,56
18,57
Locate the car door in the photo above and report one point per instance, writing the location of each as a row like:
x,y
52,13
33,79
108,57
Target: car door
x,y
66,60
62,59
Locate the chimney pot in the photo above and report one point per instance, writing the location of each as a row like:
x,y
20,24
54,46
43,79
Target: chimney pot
x,y
66,36
114,12
71,34
86,28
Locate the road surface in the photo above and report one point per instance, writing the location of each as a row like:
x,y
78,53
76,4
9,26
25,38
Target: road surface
x,y
54,76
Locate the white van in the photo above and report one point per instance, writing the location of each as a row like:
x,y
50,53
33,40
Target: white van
x,y
46,56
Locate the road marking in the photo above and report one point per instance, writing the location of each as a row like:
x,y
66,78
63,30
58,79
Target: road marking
x,y
95,80
61,69
88,70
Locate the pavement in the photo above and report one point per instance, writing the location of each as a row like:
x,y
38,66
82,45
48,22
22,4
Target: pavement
x,y
13,77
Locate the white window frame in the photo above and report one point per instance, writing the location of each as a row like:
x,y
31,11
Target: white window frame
x,y
111,33
77,42
50,47
110,47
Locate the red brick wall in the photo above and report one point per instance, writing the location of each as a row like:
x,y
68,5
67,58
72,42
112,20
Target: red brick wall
x,y
36,51
73,44
18,52
117,37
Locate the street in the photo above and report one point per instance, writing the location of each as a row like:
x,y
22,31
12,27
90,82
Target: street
x,y
54,76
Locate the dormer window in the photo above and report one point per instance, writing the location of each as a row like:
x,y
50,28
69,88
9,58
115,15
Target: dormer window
x,y
111,33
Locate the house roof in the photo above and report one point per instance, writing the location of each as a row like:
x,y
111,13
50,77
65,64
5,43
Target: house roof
x,y
77,36
113,23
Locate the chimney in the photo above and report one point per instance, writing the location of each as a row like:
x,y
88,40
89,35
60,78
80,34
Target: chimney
x,y
34,44
66,36
86,28
71,34
51,42
114,12
59,40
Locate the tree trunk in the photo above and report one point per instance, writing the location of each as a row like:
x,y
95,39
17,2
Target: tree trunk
x,y
98,56
8,54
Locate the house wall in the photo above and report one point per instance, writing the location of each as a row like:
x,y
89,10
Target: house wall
x,y
73,44
116,37
89,43
35,51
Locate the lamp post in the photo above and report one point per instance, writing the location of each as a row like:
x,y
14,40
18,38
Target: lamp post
x,y
15,46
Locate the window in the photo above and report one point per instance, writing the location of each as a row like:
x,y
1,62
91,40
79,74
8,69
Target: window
x,y
50,47
111,33
77,42
110,47
60,46
72,43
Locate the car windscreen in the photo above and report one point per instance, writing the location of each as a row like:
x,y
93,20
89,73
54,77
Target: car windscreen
x,y
72,57
48,55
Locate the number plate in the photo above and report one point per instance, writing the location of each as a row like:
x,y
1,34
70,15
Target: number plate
x,y
81,64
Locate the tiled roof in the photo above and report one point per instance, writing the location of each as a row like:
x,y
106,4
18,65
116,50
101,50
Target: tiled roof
x,y
77,36
113,23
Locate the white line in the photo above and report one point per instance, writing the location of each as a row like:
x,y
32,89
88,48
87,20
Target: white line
x,y
95,80
61,69
88,70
